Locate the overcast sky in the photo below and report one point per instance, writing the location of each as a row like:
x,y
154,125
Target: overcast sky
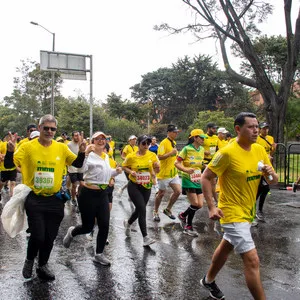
x,y
118,33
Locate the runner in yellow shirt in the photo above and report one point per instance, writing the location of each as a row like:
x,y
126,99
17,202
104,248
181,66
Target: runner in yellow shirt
x,y
141,167
221,138
211,143
42,162
168,175
236,165
30,128
268,143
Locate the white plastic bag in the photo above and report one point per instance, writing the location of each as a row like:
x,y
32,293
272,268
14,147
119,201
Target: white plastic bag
x,y
13,215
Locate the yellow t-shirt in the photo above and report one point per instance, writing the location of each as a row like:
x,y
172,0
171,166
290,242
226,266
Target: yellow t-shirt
x,y
129,149
167,167
141,164
210,144
111,149
261,141
3,150
239,180
22,142
112,162
222,144
42,167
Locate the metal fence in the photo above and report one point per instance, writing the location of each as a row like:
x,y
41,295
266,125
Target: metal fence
x,y
287,162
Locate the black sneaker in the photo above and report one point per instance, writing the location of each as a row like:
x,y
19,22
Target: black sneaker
x,y
44,273
27,268
215,292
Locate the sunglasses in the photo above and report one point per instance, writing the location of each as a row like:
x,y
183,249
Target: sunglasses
x,y
47,128
145,143
100,139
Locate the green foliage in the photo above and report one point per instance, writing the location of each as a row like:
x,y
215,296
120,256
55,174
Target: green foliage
x,y
122,129
292,124
272,51
176,94
118,108
217,117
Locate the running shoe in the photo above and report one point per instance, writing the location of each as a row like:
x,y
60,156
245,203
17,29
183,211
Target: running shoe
x,y
101,259
188,229
294,186
148,241
182,220
168,213
214,290
127,228
68,238
260,216
156,217
254,223
90,235
27,268
45,273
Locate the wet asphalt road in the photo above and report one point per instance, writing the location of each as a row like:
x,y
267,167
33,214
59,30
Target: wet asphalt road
x,y
170,268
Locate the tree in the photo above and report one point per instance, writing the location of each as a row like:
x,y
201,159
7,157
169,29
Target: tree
x,y
32,91
217,117
235,21
178,93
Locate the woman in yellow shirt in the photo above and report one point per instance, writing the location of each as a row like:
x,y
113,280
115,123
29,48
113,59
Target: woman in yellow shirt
x,y
141,167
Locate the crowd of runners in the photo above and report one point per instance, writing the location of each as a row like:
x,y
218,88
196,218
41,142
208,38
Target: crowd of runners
x,y
230,173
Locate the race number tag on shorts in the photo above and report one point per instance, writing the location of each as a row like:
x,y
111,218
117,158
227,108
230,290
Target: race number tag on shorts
x,y
143,178
212,150
43,180
195,177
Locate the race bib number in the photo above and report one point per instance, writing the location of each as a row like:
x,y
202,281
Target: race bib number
x,y
43,180
143,178
195,177
212,150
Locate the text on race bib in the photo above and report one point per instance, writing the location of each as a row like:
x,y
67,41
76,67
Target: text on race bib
x,y
43,180
195,177
143,178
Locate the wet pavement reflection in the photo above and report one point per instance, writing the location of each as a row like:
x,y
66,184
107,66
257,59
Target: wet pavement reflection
x,y
169,269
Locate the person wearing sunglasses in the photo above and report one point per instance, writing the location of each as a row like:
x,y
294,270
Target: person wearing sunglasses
x,y
93,198
141,167
42,163
190,162
30,128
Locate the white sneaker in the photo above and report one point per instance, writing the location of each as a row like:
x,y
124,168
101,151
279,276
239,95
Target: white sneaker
x,y
148,241
68,238
89,236
127,228
101,259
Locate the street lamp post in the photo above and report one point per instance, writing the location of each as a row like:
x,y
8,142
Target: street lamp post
x,y
52,72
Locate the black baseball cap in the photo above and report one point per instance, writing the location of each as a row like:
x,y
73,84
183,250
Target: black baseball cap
x,y
172,128
263,125
143,138
31,126
211,125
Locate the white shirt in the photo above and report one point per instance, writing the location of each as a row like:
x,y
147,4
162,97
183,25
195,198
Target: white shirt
x,y
74,147
97,170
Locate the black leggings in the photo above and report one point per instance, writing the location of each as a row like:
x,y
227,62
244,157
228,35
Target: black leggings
x,y
44,217
140,197
93,204
263,190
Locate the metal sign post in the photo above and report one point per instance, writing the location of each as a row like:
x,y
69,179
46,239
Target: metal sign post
x,y
71,66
